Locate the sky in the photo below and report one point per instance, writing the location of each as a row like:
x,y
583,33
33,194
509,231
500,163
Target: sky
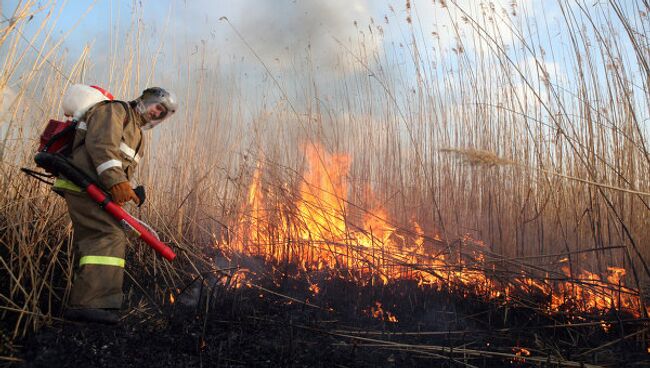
x,y
285,39
279,31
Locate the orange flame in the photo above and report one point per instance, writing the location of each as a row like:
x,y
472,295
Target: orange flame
x,y
314,289
520,354
314,228
378,312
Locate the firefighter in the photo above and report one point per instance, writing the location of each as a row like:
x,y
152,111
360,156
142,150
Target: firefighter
x,y
108,145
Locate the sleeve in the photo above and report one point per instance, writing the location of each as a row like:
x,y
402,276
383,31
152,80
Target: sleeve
x,y
103,138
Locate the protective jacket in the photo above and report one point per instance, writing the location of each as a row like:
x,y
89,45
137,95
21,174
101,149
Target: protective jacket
x,y
108,144
107,147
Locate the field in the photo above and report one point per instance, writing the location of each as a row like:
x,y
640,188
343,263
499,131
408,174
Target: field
x,y
489,179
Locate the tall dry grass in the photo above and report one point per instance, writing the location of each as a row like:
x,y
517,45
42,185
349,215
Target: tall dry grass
x,y
36,253
567,163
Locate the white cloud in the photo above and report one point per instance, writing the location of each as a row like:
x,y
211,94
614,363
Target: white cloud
x,y
451,21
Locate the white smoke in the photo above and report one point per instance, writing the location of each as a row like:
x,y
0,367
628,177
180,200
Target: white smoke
x,y
285,34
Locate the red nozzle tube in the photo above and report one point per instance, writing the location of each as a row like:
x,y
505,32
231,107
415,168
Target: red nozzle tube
x,y
124,218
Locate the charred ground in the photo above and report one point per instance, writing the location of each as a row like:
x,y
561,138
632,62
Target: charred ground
x,y
269,323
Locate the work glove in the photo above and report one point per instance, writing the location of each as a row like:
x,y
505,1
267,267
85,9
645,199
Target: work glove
x,y
122,193
139,191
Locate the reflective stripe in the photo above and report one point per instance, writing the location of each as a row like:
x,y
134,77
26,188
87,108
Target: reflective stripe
x,y
82,125
60,183
102,260
107,165
130,152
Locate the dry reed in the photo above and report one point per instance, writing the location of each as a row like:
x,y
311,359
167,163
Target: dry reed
x,y
485,101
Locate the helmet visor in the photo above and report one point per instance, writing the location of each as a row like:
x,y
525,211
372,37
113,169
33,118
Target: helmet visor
x,y
156,105
156,111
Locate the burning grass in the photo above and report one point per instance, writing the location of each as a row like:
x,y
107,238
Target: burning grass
x,y
311,229
275,320
334,213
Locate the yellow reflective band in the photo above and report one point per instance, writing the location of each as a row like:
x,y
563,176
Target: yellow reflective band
x,y
66,184
102,260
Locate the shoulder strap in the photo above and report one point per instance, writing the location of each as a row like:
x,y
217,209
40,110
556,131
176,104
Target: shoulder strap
x,y
127,106
123,103
126,118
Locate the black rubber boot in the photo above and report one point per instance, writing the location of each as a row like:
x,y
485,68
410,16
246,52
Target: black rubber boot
x,y
95,315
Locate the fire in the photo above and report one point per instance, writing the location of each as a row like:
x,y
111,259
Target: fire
x,y
616,274
322,206
315,228
171,298
605,326
520,354
314,289
378,312
238,279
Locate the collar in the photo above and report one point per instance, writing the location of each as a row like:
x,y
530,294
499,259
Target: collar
x,y
139,119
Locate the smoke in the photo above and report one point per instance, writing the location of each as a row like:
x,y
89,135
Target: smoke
x,y
283,30
7,98
287,35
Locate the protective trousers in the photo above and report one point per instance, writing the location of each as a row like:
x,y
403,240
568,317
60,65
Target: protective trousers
x,y
100,244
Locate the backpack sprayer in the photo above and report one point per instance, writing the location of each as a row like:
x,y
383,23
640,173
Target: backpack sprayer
x,y
56,144
63,167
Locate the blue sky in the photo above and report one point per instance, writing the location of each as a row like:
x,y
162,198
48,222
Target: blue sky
x,y
289,22
283,32
191,21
